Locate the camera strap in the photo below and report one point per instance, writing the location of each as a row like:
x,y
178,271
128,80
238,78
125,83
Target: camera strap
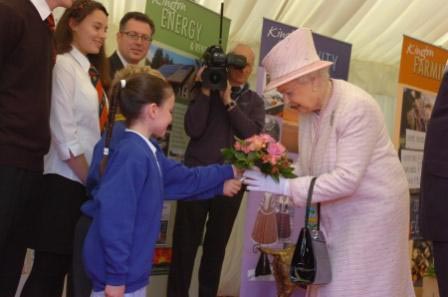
x,y
237,92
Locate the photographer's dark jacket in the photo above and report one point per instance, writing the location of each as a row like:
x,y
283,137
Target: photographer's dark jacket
x,y
211,127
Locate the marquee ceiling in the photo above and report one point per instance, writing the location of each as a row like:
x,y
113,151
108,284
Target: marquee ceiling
x,y
373,27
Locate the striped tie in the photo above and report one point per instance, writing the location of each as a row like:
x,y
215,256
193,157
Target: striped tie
x,y
52,26
102,100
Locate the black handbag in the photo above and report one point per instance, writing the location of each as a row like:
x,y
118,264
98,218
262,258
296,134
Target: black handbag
x,y
310,263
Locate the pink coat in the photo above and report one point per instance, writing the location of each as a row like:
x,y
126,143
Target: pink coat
x,y
363,192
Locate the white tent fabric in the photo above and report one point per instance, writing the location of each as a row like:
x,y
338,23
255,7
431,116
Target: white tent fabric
x,y
374,27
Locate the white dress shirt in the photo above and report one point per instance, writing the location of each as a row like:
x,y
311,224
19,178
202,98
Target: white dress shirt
x,y
42,7
74,114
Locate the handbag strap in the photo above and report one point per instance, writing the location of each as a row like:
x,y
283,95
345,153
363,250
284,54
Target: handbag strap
x,y
308,204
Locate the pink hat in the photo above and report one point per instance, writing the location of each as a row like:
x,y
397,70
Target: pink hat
x,y
292,58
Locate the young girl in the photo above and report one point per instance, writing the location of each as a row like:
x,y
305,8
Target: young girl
x,y
127,203
75,129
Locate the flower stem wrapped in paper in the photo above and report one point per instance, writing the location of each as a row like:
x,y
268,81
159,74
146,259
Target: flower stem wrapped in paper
x,y
263,152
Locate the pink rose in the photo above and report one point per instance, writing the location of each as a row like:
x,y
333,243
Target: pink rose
x,y
267,138
255,143
237,146
270,159
246,149
276,149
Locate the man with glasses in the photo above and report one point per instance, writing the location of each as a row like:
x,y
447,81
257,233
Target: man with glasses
x,y
133,41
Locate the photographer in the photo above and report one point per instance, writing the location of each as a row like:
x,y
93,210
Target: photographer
x,y
212,121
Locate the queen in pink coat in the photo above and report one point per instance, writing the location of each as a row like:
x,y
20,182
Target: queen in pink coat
x,y
360,184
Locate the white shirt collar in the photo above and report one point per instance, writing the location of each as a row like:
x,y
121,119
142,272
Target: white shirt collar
x,y
42,7
151,146
80,58
125,63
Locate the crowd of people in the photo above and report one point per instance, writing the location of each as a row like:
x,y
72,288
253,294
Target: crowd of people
x,y
83,179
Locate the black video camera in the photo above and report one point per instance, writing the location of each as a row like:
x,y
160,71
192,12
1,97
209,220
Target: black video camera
x,y
214,76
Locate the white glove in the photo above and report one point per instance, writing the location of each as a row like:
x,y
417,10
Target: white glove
x,y
257,181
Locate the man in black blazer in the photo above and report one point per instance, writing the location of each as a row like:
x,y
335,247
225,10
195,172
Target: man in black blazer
x,y
434,186
133,41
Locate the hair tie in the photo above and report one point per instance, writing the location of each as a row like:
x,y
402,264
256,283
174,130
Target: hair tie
x,y
123,83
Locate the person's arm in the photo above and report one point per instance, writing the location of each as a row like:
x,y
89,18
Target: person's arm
x,y
250,124
64,129
200,182
79,165
117,200
11,28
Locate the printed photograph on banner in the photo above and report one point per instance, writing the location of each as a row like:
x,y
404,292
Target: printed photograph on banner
x,y
164,224
273,126
163,250
161,261
414,230
412,165
273,102
415,115
421,260
180,71
176,68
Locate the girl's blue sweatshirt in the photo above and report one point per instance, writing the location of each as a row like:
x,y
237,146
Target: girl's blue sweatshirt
x,y
127,205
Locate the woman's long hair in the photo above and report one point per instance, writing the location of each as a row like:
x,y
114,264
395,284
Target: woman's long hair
x,y
64,35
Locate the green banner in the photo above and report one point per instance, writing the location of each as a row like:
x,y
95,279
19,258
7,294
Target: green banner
x,y
186,26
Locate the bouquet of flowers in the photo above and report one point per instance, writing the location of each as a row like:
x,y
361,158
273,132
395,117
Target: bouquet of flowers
x,y
261,151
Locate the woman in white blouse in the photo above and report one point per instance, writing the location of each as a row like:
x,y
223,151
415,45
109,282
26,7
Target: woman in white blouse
x,y
75,129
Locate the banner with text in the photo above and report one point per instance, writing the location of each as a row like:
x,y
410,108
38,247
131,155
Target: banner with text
x,y
421,70
183,32
186,26
422,64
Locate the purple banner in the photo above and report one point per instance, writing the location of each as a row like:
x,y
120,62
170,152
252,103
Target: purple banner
x,y
328,49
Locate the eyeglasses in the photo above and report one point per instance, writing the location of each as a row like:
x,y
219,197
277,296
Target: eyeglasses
x,y
135,36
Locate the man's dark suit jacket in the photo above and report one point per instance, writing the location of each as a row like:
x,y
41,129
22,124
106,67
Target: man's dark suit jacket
x,y
115,64
434,179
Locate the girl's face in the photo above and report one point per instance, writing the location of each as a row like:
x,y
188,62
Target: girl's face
x,y
163,116
89,35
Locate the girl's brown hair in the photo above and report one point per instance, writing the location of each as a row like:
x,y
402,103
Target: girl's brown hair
x,y
133,88
64,35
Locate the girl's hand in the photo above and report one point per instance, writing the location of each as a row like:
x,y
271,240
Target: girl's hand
x,y
114,291
231,187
